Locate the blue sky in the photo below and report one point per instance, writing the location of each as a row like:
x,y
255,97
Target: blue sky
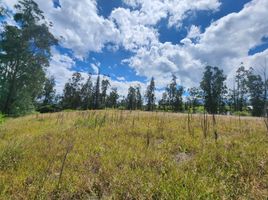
x,y
132,40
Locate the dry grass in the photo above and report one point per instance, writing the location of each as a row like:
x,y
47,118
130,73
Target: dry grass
x,y
132,155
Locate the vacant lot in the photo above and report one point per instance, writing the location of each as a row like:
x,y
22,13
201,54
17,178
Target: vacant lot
x,y
132,155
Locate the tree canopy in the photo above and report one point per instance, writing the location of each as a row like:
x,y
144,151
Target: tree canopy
x,y
25,53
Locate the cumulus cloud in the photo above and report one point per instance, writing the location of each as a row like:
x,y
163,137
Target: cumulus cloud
x,y
225,43
120,78
79,26
150,12
165,59
61,68
134,27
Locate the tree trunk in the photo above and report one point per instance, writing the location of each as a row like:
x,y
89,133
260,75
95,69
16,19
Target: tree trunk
x,y
6,109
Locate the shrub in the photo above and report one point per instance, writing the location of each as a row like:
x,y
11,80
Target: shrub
x,y
242,113
46,109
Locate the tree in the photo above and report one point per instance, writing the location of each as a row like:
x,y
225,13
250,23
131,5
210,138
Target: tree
x,y
256,90
46,102
113,98
25,52
150,95
174,93
87,94
72,92
241,88
96,94
171,91
104,87
131,98
164,101
194,96
123,103
139,100
214,88
49,92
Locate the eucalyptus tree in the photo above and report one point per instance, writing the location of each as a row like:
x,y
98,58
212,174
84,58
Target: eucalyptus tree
x,y
174,92
49,91
256,88
104,88
194,97
241,88
96,94
131,98
150,95
139,101
72,98
24,55
87,94
112,99
214,88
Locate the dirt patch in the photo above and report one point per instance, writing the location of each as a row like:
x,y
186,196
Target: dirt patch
x,y
182,157
159,141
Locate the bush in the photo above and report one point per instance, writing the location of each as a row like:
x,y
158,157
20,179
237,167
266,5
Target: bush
x,y
242,113
46,109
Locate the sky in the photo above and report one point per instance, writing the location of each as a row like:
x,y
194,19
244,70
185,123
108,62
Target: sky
x,y
130,41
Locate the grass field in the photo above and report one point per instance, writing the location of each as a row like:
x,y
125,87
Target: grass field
x,y
132,155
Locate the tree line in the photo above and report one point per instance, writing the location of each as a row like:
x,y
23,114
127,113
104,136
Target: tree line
x,y
249,94
24,86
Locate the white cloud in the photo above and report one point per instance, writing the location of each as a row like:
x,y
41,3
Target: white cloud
x,y
9,3
225,43
95,67
120,78
133,33
61,69
180,10
150,12
80,26
194,32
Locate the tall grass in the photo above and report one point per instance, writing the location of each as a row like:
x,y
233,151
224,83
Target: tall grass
x,y
133,155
